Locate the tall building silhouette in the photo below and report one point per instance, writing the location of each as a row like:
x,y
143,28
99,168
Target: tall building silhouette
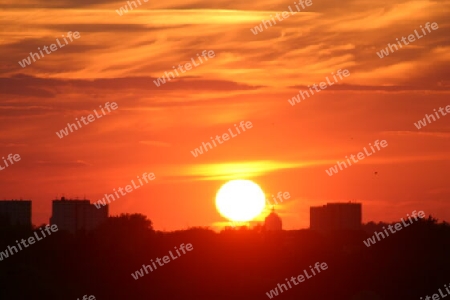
x,y
75,215
336,216
15,212
273,222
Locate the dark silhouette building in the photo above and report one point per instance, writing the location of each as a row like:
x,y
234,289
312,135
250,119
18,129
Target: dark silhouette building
x,y
15,212
75,215
273,222
336,216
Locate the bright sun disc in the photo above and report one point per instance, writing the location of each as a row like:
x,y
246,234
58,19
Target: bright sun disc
x,y
240,200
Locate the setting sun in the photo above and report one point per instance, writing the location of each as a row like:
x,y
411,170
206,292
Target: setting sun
x,y
240,200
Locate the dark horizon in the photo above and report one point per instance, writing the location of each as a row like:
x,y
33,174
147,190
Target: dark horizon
x,y
126,259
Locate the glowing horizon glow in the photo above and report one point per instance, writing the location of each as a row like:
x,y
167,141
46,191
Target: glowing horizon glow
x,y
240,200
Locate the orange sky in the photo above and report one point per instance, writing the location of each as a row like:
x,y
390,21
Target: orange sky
x,y
250,79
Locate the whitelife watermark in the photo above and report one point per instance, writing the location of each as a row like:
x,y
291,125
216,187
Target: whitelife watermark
x,y
10,157
188,66
128,189
225,136
166,259
65,132
124,9
300,279
284,15
27,61
280,197
436,296
423,122
360,155
398,227
85,297
31,241
411,38
323,85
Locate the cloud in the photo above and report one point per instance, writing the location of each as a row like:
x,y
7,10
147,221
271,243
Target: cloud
x,y
25,85
13,145
250,78
236,170
418,134
65,164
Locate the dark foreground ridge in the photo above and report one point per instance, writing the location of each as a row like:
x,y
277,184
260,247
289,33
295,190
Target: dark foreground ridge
x,y
233,264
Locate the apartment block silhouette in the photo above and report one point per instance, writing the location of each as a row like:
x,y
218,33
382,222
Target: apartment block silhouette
x,y
336,216
76,215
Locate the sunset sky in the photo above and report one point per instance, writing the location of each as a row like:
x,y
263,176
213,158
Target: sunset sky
x,y
251,78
